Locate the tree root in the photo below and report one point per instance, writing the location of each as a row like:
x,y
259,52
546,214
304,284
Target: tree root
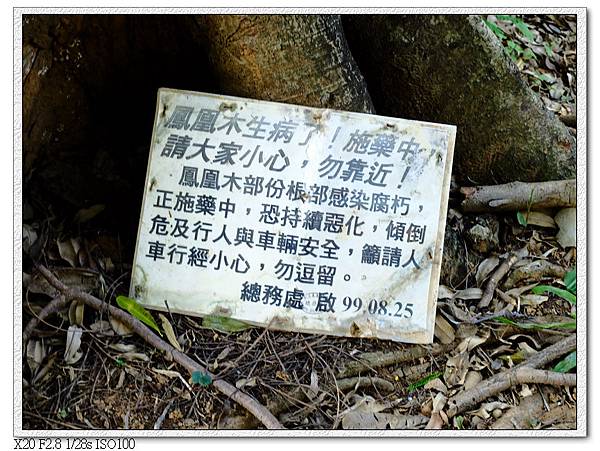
x,y
520,196
248,402
497,276
534,271
520,374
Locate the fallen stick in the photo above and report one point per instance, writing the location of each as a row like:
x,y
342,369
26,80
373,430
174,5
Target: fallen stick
x,y
248,402
497,276
534,272
51,307
519,196
502,381
372,360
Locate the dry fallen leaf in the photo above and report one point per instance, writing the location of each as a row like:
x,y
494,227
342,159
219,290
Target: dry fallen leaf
x,y
485,268
366,414
443,330
566,219
72,352
170,333
456,369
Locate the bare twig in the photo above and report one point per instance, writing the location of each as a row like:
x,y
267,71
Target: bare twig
x,y
248,402
497,276
373,360
520,196
163,415
502,381
51,307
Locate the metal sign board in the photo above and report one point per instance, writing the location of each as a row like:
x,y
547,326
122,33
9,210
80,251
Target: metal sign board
x,y
295,218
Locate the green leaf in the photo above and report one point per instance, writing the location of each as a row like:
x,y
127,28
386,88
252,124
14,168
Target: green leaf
x,y
511,19
422,382
557,291
524,29
571,281
496,29
201,378
137,311
566,364
119,362
565,325
521,219
224,324
529,55
548,50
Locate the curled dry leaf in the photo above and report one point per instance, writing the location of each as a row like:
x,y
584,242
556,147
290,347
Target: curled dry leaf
x,y
472,379
251,382
485,268
130,356
444,292
72,352
169,332
366,414
69,250
76,311
468,294
539,219
456,369
123,347
102,327
36,353
314,384
533,299
443,330
436,385
566,219
119,327
29,237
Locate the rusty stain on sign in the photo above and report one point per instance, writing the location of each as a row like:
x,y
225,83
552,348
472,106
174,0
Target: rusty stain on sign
x,y
306,219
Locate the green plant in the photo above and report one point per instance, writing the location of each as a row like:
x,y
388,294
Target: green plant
x,y
137,311
570,295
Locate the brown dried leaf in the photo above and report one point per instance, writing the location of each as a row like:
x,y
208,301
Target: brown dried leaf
x,y
485,268
170,333
457,367
539,219
72,352
443,330
468,294
366,414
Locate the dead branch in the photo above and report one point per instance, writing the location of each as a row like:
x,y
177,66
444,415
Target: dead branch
x,y
497,276
520,196
248,402
372,360
52,307
351,383
534,272
502,381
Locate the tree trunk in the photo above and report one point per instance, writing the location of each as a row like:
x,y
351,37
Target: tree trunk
x,y
301,59
452,69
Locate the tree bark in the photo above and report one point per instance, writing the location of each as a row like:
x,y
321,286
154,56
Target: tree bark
x,y
452,69
301,59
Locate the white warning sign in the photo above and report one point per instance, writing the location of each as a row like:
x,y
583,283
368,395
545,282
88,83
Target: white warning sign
x,y
298,218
